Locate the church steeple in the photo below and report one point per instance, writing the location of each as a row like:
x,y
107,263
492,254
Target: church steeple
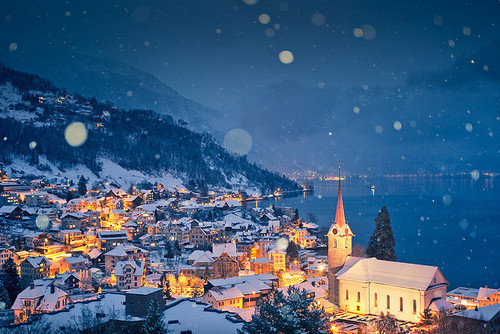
x,y
339,247
339,215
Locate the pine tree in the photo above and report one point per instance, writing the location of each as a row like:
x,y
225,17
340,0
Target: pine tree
x,y
10,280
165,285
153,324
169,252
82,186
290,312
4,296
292,250
382,243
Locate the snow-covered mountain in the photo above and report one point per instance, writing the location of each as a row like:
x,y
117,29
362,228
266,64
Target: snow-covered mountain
x,y
47,131
109,80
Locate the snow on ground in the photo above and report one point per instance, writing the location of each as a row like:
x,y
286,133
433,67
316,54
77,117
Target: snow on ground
x,y
9,95
111,172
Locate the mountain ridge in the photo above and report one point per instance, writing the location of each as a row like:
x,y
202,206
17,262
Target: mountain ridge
x,y
34,114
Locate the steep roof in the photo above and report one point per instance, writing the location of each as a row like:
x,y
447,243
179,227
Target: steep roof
x,y
407,275
45,296
125,250
226,293
138,267
35,261
229,248
484,293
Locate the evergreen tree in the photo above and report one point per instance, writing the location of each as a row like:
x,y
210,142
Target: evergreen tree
x,y
165,285
177,248
82,186
296,214
292,250
10,280
290,312
382,243
153,324
169,252
4,297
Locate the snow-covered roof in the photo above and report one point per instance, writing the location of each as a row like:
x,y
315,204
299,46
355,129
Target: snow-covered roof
x,y
46,296
203,259
77,215
485,313
238,280
484,293
308,287
440,304
35,261
70,231
226,293
137,266
7,209
464,292
229,248
124,250
143,291
94,253
75,259
407,275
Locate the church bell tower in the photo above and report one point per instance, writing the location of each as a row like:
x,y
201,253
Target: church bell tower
x,y
339,247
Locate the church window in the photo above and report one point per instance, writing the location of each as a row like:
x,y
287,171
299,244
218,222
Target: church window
x,y
335,244
357,308
388,302
414,306
376,301
401,304
359,297
347,294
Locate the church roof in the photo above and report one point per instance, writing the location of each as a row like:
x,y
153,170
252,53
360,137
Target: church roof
x,y
406,275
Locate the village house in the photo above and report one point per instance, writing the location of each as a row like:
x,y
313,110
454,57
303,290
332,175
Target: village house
x,y
129,274
107,240
39,299
34,268
40,198
223,297
487,296
123,253
73,238
261,265
202,237
8,253
278,257
72,264
225,266
73,220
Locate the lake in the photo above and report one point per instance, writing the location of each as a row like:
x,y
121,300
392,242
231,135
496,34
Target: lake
x,y
449,222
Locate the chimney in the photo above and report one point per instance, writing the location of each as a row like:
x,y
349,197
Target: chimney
x,y
32,286
52,289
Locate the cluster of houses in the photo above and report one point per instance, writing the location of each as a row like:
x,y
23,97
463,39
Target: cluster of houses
x,y
111,240
111,245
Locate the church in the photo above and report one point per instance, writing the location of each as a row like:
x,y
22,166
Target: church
x,y
370,286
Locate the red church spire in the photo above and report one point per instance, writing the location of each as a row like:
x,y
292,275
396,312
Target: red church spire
x,y
339,215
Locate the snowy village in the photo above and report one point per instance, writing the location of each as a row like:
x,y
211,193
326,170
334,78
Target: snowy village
x,y
99,261
249,167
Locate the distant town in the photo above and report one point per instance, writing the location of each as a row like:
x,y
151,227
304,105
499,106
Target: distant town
x,y
206,258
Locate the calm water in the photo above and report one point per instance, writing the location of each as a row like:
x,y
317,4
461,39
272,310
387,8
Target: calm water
x,y
452,223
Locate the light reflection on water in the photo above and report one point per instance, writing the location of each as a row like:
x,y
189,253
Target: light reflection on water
x,y
452,223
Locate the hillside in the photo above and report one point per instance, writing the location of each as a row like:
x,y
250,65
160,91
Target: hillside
x,y
34,115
